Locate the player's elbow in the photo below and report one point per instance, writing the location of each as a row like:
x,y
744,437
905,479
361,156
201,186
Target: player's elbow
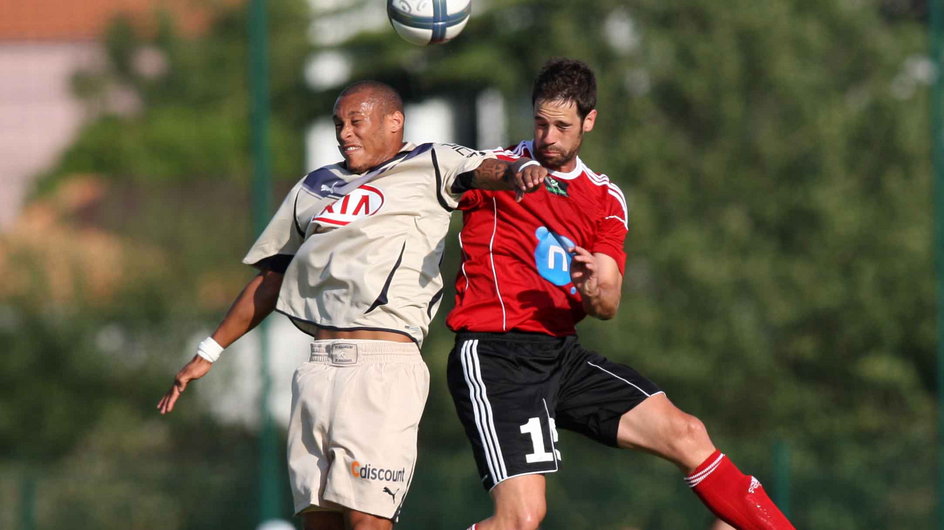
x,y
604,309
608,304
607,313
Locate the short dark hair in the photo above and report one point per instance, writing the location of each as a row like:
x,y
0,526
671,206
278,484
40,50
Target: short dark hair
x,y
383,92
563,79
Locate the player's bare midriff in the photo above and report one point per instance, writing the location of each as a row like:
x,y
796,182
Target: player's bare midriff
x,y
363,334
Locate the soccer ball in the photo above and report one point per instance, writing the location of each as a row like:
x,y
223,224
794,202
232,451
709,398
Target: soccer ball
x,y
423,22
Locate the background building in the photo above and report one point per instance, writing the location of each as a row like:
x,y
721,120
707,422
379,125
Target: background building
x,y
43,44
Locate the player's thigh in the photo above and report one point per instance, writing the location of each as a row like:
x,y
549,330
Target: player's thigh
x,y
323,520
372,442
355,446
596,393
657,426
504,389
364,521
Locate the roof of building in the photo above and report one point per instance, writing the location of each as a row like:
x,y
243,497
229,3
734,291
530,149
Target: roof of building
x,y
71,20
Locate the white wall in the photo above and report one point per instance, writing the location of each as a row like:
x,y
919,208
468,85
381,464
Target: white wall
x,y
38,115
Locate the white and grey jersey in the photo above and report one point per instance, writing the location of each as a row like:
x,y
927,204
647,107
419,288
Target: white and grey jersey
x,y
363,250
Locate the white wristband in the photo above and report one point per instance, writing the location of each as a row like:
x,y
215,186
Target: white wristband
x,y
209,349
518,165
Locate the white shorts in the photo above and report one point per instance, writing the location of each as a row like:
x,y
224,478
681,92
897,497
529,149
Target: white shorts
x,y
356,408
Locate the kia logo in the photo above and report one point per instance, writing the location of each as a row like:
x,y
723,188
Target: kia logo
x,y
362,202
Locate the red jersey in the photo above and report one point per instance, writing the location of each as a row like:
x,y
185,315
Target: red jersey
x,y
515,272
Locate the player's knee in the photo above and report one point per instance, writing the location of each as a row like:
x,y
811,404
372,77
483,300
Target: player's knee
x,y
536,515
687,433
527,517
527,521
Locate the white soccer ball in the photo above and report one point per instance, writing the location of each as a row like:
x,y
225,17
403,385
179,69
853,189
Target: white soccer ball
x,y
423,22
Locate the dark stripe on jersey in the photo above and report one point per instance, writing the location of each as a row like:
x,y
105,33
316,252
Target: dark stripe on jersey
x,y
382,299
432,303
439,197
420,149
295,218
402,156
322,181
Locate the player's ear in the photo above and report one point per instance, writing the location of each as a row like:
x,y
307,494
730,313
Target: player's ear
x,y
589,121
395,121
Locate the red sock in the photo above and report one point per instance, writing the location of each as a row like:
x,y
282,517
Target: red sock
x,y
734,497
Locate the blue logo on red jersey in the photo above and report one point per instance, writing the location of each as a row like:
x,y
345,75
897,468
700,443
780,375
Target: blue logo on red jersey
x,y
551,256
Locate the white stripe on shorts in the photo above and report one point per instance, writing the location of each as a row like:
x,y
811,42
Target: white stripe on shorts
x,y
647,394
482,409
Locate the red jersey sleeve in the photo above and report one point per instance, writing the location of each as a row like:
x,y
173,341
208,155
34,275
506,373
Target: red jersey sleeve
x,y
612,226
470,199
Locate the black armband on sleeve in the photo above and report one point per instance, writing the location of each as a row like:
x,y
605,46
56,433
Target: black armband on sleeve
x,y
463,183
277,263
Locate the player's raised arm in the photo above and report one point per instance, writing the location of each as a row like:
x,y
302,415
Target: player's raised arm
x,y
256,301
522,175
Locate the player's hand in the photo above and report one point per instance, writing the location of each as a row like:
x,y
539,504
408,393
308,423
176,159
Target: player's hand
x,y
583,271
529,180
195,369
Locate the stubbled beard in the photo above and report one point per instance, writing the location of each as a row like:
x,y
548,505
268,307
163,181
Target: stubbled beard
x,y
557,158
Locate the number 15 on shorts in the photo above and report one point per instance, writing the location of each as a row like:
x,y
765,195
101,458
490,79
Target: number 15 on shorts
x,y
534,429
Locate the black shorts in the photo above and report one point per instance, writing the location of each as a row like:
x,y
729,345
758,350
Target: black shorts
x,y
512,391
